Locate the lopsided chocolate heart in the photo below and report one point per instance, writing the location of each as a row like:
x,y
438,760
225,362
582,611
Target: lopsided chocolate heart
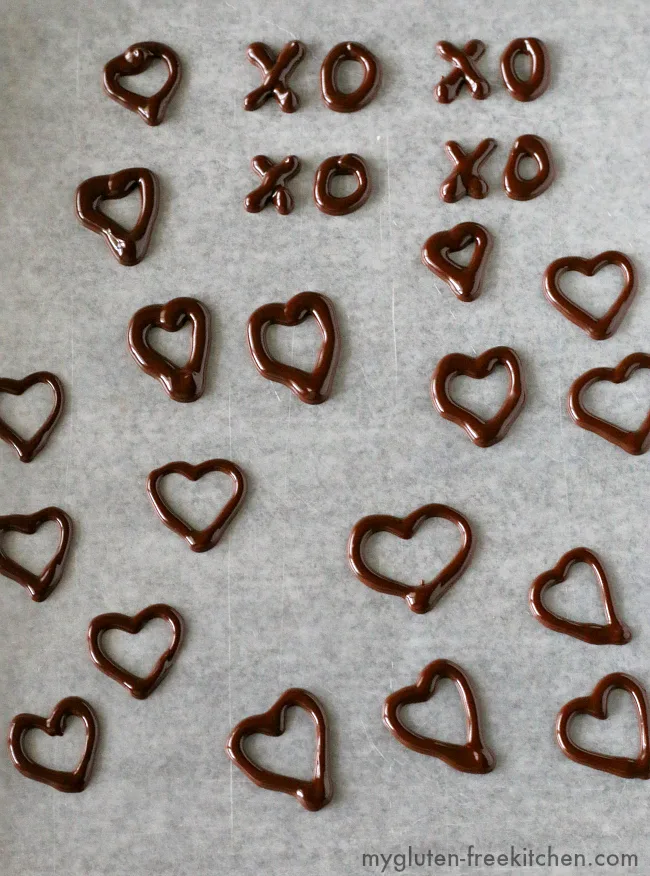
x,y
312,794
138,687
39,586
182,384
138,58
198,539
472,757
596,705
313,387
63,780
463,280
423,597
27,448
483,433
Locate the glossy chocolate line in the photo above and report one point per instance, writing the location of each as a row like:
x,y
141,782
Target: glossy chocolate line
x,y
341,165
273,187
349,102
465,72
275,75
463,280
466,179
38,586
540,75
136,59
28,448
516,186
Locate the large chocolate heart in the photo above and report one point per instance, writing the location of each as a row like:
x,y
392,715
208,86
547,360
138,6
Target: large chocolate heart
x,y
596,705
39,586
423,597
128,247
312,387
463,280
137,686
138,58
634,441
27,448
614,632
472,757
312,794
598,328
198,539
182,384
483,433
70,781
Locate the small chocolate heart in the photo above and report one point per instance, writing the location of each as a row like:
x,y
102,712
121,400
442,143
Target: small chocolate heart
x,y
27,448
463,280
472,757
72,781
312,794
39,586
138,58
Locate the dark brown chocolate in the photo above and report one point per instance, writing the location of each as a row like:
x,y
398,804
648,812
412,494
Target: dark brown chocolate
x,y
27,448
273,187
128,247
312,794
313,387
39,586
466,179
528,146
463,280
484,433
199,540
341,165
472,757
349,102
423,597
72,781
465,71
614,632
275,75
138,687
540,74
598,328
182,384
596,705
138,58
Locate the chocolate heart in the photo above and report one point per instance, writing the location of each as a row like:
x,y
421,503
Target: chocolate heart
x,y
604,326
27,448
596,705
312,794
472,757
63,780
138,58
634,441
181,384
128,247
422,598
313,387
518,187
39,586
612,633
198,539
464,281
137,686
484,433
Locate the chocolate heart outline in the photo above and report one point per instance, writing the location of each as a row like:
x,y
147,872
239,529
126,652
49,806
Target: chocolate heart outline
x,y
312,387
70,781
138,686
614,632
181,383
28,448
518,187
598,328
595,705
135,60
465,281
313,794
473,756
423,597
633,441
38,586
484,433
199,540
128,247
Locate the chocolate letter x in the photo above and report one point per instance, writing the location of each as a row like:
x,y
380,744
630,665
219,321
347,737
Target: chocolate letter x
x,y
465,72
272,186
465,179
276,73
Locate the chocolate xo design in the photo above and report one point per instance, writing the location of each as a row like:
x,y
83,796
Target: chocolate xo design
x,y
341,165
465,72
596,705
484,433
340,101
313,387
312,794
528,146
540,75
472,757
69,781
463,280
38,586
138,687
613,632
28,448
182,384
273,186
598,328
275,73
138,58
423,597
128,247
466,179
634,441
